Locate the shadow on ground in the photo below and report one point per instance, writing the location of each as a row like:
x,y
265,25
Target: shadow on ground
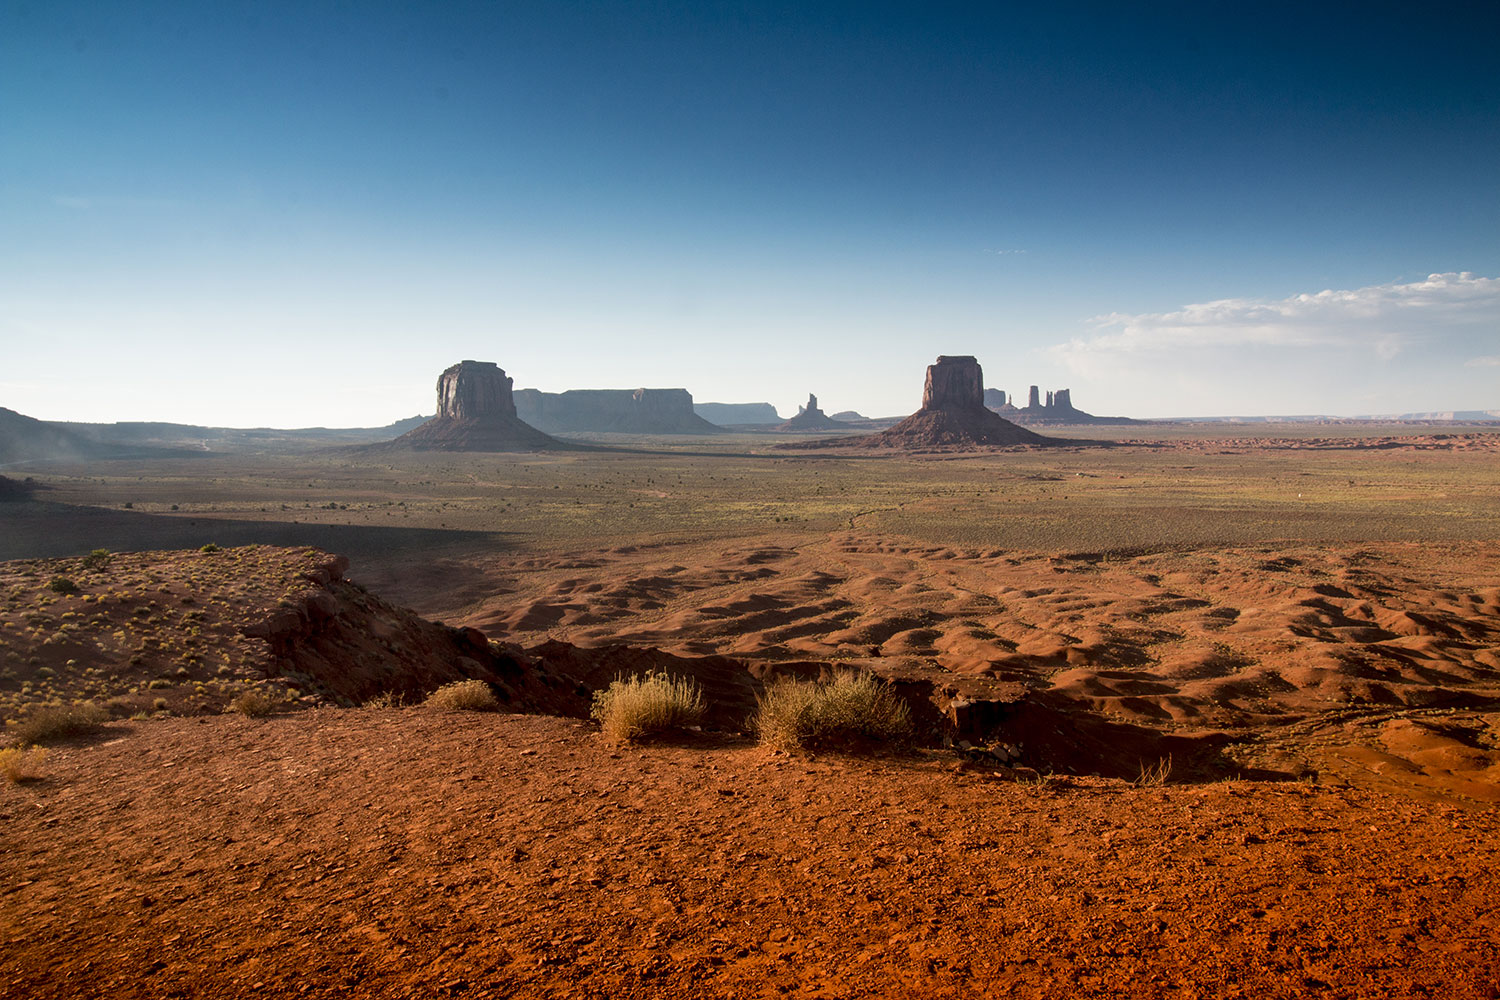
x,y
41,529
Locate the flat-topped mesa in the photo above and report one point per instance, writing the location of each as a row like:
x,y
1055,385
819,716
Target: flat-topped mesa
x,y
615,411
474,389
954,383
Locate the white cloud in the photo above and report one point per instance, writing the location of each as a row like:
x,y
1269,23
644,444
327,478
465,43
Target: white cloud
x,y
1487,361
1380,321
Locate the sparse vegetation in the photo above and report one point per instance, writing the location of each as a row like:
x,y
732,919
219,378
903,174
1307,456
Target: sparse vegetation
x,y
62,585
19,766
853,707
1154,775
59,722
649,705
466,696
253,703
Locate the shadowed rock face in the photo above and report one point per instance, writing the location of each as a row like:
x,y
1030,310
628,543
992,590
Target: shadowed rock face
x,y
954,383
474,389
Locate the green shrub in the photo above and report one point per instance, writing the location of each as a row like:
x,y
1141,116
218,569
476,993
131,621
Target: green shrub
x,y
62,585
210,547
647,706
854,707
97,559
59,722
466,696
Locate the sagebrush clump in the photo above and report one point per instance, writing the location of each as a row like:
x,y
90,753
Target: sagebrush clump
x,y
649,705
253,703
467,696
852,708
59,722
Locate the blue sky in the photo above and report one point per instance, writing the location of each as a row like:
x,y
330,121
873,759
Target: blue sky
x,y
298,214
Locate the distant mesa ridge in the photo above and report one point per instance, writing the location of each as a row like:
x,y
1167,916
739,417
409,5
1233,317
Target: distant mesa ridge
x,y
732,414
476,412
627,411
1057,409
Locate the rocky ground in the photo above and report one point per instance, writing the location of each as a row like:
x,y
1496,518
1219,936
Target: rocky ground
x,y
414,852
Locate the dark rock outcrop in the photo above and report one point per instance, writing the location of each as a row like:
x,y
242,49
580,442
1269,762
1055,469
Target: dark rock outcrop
x,y
476,412
953,416
624,411
338,640
810,418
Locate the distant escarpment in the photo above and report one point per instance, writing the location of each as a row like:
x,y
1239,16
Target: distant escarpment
x,y
732,414
810,418
1057,409
624,411
26,439
953,417
476,412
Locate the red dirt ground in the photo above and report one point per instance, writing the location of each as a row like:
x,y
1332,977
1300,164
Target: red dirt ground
x,y
418,853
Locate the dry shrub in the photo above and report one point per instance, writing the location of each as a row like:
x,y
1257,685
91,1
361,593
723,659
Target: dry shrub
x,y
253,703
853,707
20,766
646,706
60,722
385,699
466,696
1155,775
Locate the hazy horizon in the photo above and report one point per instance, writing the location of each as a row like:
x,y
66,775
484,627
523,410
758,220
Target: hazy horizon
x,y
286,215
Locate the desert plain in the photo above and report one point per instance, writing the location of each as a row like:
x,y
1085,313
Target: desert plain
x,y
1203,711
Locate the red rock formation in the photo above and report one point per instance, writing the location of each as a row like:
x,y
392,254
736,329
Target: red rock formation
x,y
953,416
475,413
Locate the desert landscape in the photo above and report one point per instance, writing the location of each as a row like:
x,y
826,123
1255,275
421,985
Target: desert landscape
x,y
1190,714
670,501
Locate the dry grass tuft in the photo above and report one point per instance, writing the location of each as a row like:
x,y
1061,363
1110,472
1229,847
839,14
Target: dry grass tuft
x,y
253,703
59,722
385,699
20,766
647,706
1154,775
853,707
465,696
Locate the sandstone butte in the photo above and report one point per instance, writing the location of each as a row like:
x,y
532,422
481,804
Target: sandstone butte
x,y
953,417
476,412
